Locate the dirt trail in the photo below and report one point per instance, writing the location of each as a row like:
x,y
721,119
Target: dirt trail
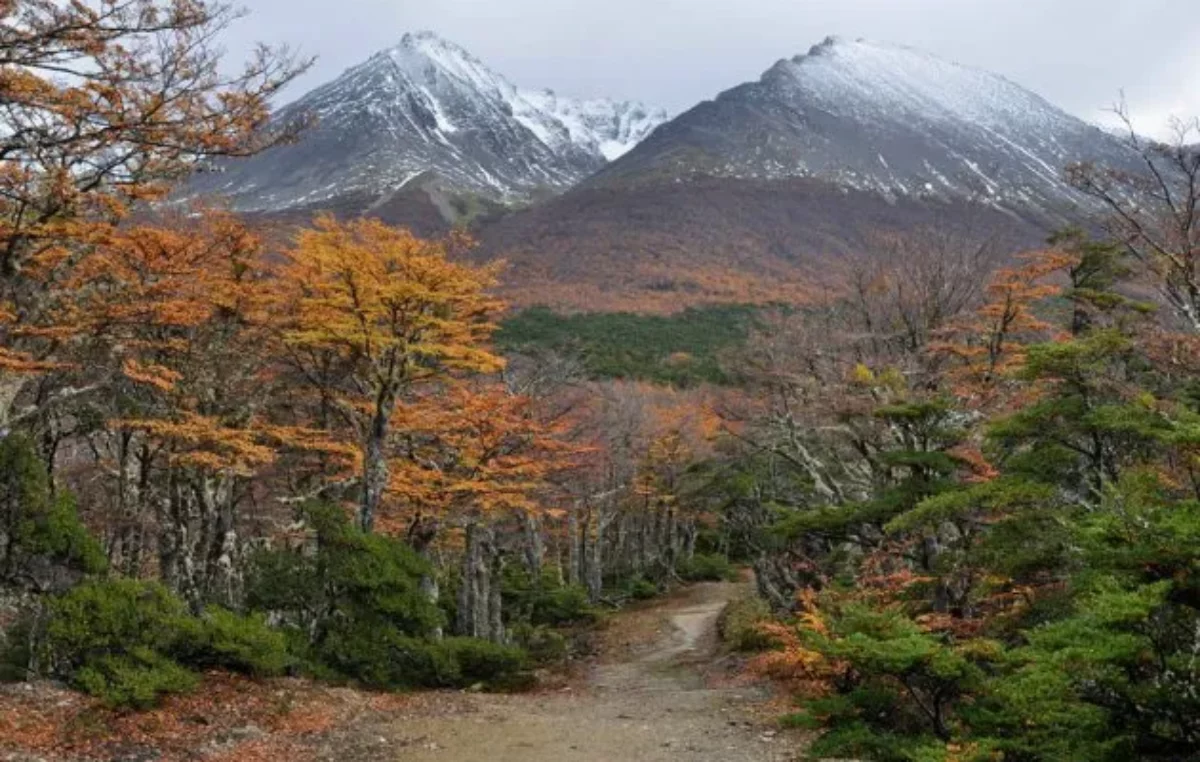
x,y
655,695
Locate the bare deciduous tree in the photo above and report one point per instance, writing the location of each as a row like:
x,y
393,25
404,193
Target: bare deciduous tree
x,y
1155,211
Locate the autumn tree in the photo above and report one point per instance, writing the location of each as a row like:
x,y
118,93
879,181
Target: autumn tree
x,y
476,458
370,313
180,340
106,103
989,342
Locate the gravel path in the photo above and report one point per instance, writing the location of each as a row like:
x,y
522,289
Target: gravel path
x,y
656,695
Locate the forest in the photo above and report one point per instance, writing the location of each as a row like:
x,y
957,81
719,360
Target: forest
x,y
967,480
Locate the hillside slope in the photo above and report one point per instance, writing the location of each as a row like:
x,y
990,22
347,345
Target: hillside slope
x,y
756,194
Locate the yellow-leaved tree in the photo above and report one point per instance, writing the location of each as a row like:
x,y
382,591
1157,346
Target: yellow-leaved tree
x,y
369,313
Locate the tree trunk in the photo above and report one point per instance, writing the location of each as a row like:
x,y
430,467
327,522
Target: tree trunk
x,y
768,589
222,578
476,597
421,534
177,543
643,562
432,593
11,385
594,574
534,549
620,563
672,538
595,571
574,555
495,601
375,466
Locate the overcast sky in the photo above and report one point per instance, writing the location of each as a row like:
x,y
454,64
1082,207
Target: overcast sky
x,y
1077,53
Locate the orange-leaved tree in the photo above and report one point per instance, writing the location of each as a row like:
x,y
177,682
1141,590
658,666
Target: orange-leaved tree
x,y
474,455
370,313
178,319
991,342
106,103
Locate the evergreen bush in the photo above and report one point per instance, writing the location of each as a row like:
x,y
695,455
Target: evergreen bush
x,y
707,568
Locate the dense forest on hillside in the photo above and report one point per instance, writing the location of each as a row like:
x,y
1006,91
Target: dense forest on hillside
x,y
683,349
968,483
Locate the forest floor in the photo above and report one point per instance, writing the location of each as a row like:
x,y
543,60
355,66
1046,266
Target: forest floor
x,y
658,689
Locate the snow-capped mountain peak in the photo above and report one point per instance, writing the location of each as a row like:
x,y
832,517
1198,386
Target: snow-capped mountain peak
x,y
427,107
883,118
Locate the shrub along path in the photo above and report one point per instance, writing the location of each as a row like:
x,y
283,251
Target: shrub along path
x,y
657,692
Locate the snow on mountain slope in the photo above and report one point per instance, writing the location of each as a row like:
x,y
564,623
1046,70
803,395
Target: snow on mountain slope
x,y
428,109
883,118
612,129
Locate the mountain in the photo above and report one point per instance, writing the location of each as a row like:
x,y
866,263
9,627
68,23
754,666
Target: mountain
x,y
772,183
756,195
883,118
427,115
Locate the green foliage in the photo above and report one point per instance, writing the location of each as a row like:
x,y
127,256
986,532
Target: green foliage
x,y
237,643
1089,509
641,589
544,645
480,661
129,642
111,617
354,609
38,523
546,601
568,604
707,568
354,577
380,657
992,497
682,349
136,679
901,688
740,624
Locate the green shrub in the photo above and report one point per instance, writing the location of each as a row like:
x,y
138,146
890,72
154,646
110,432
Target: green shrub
x,y
641,589
707,568
237,643
119,639
379,657
481,661
37,523
353,577
682,349
106,617
128,642
562,606
543,644
136,679
740,624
